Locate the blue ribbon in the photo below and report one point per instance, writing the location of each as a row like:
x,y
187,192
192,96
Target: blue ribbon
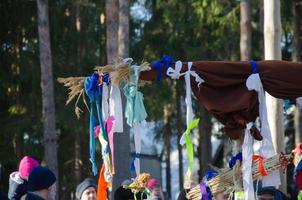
x,y
210,174
132,166
254,67
233,159
94,90
158,65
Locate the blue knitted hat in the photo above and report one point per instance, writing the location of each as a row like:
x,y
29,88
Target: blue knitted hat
x,y
40,178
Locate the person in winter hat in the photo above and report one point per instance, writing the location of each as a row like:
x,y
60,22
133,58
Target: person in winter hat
x,y
18,179
86,190
41,184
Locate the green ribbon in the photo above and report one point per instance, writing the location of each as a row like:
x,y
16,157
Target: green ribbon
x,y
300,195
189,145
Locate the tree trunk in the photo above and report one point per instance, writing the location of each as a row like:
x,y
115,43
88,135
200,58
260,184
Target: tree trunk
x,y
167,146
245,30
48,105
112,17
123,29
205,144
179,133
272,44
297,57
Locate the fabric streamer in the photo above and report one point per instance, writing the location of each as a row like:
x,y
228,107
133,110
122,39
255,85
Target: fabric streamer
x,y
102,186
261,167
203,189
116,109
110,128
189,146
175,74
135,112
233,159
247,155
267,149
105,91
92,91
137,127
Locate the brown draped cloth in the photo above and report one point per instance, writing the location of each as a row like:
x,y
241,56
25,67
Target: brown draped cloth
x,y
224,92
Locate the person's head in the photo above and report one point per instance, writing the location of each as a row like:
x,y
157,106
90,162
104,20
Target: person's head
x,y
221,197
41,181
270,193
26,165
122,193
86,190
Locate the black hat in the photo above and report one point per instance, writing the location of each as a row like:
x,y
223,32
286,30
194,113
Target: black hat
x,y
88,182
40,178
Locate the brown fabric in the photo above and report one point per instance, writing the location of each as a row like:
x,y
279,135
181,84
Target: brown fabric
x,y
224,93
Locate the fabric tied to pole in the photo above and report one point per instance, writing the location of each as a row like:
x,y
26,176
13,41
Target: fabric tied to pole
x,y
247,155
203,190
159,64
189,146
105,91
233,159
176,74
116,109
136,156
267,149
92,90
261,167
110,127
135,110
102,185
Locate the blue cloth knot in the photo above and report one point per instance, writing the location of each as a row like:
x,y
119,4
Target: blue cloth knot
x,y
135,156
92,87
254,67
158,65
233,159
210,174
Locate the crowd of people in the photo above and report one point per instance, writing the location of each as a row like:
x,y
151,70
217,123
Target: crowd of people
x,y
35,182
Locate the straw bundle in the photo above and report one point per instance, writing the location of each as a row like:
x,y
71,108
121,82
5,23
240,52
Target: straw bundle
x,y
224,181
75,86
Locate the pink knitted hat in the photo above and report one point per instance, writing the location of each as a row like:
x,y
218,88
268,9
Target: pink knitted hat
x,y
26,165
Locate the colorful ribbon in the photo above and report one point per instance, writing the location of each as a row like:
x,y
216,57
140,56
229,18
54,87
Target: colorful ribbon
x,y
158,65
93,90
203,190
189,146
102,185
267,149
261,167
132,164
233,159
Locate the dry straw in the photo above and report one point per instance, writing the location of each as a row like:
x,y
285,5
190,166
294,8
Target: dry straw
x,y
226,181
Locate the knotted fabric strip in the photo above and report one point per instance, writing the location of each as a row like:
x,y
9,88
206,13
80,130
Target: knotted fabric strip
x,y
267,149
247,155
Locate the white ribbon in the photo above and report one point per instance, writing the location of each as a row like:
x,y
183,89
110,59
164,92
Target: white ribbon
x,y
137,127
299,102
105,105
267,149
116,109
175,74
247,161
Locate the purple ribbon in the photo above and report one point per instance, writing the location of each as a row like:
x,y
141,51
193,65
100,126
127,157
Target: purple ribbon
x,y
203,189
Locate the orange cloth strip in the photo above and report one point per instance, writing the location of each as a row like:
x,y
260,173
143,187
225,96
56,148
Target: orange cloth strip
x,y
261,167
